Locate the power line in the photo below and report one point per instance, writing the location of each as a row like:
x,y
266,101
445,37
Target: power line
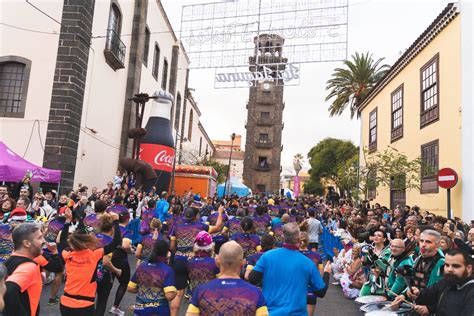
x,y
28,30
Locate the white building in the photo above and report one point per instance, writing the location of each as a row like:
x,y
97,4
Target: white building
x,y
222,154
68,72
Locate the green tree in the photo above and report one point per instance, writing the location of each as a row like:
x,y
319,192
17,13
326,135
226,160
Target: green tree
x,y
350,85
327,157
220,169
313,187
389,168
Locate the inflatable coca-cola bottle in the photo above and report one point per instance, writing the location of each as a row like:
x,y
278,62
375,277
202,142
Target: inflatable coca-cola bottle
x,y
157,147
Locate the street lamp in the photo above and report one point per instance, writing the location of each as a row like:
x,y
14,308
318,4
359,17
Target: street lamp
x,y
230,160
173,172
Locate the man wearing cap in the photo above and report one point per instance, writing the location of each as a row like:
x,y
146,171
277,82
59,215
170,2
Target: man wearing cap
x,y
228,295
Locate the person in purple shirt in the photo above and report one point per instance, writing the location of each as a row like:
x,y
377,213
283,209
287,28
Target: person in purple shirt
x,y
182,239
145,246
248,240
233,225
146,217
267,243
154,283
261,220
201,266
315,257
93,220
228,295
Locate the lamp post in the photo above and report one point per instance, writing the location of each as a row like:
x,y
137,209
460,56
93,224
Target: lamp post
x,y
230,160
173,172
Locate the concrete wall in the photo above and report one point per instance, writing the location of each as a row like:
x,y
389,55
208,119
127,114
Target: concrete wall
x,y
447,130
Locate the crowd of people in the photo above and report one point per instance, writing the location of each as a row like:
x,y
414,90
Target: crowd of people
x,y
232,256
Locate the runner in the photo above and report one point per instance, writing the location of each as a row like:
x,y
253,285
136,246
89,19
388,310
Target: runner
x,y
120,261
24,284
248,240
228,295
153,282
145,247
81,261
201,266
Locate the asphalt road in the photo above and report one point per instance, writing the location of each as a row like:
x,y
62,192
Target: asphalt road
x,y
334,303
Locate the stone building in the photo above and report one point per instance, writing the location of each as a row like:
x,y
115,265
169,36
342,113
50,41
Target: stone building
x,y
265,117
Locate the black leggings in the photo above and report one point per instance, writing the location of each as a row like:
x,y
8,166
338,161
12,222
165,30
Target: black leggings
x,y
104,287
123,279
84,311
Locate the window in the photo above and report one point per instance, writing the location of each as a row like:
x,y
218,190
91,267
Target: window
x,y
114,48
156,62
263,138
147,46
265,115
429,76
373,130
165,74
261,188
429,167
397,113
177,113
190,126
14,79
263,162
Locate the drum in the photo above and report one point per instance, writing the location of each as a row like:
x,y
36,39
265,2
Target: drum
x,y
363,300
383,308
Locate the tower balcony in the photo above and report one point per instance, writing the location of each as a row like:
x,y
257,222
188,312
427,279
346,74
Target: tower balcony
x,y
260,144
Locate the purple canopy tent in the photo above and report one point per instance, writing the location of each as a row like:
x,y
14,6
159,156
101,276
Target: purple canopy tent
x,y
13,168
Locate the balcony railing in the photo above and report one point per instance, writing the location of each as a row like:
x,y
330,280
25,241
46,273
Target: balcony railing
x,y
114,50
260,144
263,166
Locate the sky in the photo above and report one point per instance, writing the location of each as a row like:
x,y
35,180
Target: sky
x,y
385,28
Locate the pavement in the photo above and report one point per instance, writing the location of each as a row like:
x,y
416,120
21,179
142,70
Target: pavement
x,y
334,303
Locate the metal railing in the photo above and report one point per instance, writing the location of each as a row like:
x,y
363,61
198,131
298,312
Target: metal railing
x,y
115,49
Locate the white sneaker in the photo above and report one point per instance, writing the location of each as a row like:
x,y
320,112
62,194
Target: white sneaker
x,y
116,311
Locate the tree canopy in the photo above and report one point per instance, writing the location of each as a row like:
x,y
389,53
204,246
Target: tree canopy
x,y
349,86
327,157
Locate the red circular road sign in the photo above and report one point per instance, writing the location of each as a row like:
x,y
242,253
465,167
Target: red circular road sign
x,y
447,178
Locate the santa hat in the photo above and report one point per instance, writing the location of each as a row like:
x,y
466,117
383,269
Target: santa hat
x,y
203,241
18,215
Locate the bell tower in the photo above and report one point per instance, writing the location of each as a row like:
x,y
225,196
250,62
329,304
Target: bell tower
x,y
265,116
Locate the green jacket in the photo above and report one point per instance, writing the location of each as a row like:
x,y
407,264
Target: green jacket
x,y
437,272
395,282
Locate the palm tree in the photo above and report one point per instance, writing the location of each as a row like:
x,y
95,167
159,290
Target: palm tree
x,y
349,86
298,162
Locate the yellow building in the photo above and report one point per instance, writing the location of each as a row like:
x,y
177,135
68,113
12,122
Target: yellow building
x,y
417,109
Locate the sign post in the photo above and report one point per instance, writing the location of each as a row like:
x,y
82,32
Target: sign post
x,y
447,179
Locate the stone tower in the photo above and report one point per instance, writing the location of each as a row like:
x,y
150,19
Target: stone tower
x,y
265,117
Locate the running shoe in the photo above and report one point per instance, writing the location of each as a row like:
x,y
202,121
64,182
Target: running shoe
x,y
116,311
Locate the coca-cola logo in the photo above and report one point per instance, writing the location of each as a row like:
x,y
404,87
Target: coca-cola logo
x,y
163,158
158,156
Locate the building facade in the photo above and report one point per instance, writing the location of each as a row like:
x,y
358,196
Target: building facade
x,y
67,81
222,154
265,118
417,108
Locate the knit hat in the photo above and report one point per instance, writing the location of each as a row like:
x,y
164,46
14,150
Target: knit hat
x,y
18,215
203,241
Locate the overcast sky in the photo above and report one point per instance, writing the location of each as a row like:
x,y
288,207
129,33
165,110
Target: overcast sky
x,y
383,27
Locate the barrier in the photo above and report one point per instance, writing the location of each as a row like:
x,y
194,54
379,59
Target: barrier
x,y
329,242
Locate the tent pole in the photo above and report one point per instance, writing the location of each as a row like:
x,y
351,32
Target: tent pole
x,y
58,188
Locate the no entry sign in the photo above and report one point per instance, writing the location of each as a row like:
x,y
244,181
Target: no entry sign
x,y
447,178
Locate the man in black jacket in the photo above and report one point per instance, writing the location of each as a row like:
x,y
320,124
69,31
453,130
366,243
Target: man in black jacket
x,y
453,295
